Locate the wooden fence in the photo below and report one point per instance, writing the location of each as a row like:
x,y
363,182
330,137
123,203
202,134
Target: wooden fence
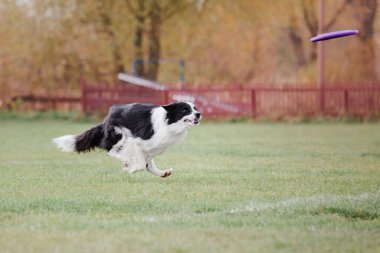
x,y
258,102
355,100
42,103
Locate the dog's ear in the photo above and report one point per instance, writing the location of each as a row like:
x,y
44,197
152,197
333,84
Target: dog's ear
x,y
172,112
167,107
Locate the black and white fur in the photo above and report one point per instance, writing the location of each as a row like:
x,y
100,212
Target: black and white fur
x,y
136,133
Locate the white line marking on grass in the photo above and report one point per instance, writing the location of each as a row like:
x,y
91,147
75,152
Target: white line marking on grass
x,y
301,201
282,205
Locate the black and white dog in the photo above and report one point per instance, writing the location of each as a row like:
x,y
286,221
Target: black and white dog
x,y
136,133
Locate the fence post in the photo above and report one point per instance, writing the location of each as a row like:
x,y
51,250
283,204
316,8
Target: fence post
x,y
166,97
322,99
182,72
83,95
253,103
54,103
346,102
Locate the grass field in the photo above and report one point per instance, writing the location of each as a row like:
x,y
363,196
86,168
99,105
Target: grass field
x,y
240,187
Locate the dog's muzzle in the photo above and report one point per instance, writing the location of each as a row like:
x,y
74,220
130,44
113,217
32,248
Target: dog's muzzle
x,y
197,118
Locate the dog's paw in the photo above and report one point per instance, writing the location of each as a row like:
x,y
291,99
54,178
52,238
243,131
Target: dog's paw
x,y
131,168
167,173
128,168
125,167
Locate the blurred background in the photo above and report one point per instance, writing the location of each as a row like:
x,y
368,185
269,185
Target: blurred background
x,y
48,48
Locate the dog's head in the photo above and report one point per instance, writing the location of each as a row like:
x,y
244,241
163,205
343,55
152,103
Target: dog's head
x,y
182,113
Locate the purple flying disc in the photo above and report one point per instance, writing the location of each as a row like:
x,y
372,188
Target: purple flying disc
x,y
333,35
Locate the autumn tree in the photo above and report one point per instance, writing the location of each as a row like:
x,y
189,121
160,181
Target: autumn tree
x,y
309,19
46,46
105,8
364,12
150,16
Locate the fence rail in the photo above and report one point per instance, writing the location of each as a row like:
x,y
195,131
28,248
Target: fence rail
x,y
356,100
40,103
258,102
332,101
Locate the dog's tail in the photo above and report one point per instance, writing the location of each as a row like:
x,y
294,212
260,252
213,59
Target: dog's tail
x,y
86,141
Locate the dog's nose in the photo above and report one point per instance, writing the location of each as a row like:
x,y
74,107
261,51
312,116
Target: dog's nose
x,y
198,115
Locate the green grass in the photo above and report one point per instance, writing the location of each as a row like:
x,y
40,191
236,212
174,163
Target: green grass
x,y
240,187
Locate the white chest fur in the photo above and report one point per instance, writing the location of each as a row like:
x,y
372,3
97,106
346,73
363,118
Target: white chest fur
x,y
130,148
164,135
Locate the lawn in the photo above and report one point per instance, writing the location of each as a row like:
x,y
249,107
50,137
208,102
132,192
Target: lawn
x,y
242,187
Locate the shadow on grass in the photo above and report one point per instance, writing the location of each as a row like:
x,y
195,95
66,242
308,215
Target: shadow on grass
x,y
348,213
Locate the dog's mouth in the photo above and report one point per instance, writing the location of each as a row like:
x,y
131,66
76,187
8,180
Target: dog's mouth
x,y
192,122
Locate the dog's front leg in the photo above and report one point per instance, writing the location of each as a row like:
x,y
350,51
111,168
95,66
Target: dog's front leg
x,y
151,167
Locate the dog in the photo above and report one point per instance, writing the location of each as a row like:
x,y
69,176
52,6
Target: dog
x,y
136,133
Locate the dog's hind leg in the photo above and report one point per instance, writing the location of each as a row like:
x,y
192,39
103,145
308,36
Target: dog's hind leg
x,y
116,148
129,152
132,157
151,167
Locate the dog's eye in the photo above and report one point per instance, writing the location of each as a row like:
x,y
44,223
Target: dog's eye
x,y
185,110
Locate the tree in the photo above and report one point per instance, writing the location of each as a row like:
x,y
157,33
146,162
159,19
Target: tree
x,y
309,16
155,13
364,12
156,18
296,40
104,11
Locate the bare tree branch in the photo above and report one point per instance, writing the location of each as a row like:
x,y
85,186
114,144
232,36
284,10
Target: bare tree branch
x,y
174,7
107,26
138,11
365,13
130,7
337,14
309,16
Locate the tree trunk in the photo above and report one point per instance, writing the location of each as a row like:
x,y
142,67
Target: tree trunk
x,y
310,18
296,40
366,55
107,26
154,40
365,13
138,40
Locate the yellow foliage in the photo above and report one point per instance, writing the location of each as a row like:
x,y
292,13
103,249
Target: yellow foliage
x,y
48,45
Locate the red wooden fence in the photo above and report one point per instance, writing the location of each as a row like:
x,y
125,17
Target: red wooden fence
x,y
358,100
99,98
41,103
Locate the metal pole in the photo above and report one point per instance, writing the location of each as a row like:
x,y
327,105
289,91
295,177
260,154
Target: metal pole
x,y
320,53
182,72
253,103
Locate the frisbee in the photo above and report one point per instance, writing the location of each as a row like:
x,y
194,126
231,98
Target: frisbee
x,y
333,35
